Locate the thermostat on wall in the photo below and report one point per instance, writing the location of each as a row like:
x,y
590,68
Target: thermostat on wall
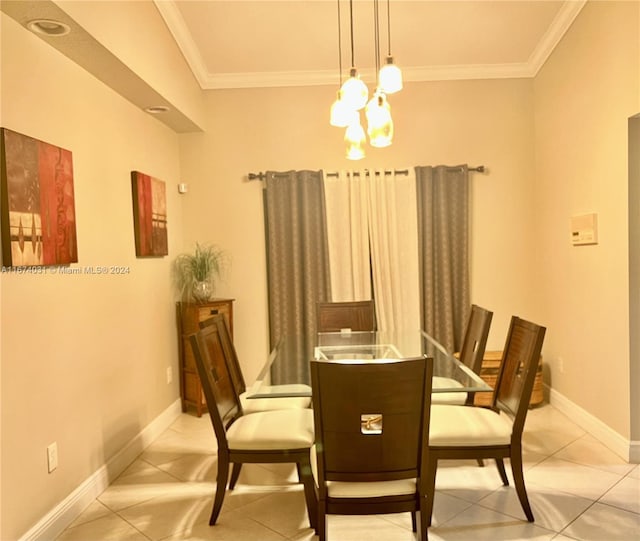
x,y
584,229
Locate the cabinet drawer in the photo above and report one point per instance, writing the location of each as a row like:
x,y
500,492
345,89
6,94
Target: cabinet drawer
x,y
205,312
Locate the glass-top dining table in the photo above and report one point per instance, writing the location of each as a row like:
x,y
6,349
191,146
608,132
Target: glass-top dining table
x,y
450,375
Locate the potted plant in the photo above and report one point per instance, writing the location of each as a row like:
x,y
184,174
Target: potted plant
x,y
195,273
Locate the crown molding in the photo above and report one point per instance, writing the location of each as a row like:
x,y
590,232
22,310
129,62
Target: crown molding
x,y
329,77
214,81
563,20
178,28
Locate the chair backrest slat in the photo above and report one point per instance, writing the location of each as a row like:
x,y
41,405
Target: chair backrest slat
x,y
371,418
211,353
225,336
475,338
355,315
518,368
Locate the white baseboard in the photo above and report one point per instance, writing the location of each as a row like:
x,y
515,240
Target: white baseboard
x,y
63,514
626,449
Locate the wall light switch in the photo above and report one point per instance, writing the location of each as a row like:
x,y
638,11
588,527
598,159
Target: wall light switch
x,y
584,229
169,374
52,456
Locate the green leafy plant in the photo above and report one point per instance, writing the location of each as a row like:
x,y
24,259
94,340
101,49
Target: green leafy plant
x,y
195,273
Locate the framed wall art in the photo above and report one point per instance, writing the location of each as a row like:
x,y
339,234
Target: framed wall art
x,y
149,215
38,223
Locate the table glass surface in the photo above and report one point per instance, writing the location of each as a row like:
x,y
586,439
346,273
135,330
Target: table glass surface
x,y
449,374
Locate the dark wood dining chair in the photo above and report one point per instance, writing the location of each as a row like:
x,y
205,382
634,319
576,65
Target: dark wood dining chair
x,y
265,437
372,425
250,405
353,315
463,432
474,345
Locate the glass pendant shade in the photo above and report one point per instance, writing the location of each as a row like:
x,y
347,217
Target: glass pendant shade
x,y
355,138
341,114
379,121
355,151
355,133
390,77
354,92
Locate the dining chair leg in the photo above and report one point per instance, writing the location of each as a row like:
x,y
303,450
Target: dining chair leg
x,y
306,478
430,484
321,529
235,473
414,519
518,481
221,486
422,519
502,471
480,462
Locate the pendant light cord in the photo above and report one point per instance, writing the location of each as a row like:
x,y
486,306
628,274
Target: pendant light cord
x,y
388,28
353,64
376,34
339,44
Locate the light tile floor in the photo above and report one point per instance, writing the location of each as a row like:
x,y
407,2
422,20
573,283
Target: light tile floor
x,y
577,487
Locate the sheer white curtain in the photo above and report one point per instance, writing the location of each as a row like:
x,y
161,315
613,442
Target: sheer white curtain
x,y
348,236
393,229
372,230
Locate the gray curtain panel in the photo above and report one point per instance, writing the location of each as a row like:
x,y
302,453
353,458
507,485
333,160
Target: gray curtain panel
x,y
443,236
298,266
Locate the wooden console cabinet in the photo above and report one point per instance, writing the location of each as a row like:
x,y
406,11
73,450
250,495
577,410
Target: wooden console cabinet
x,y
189,316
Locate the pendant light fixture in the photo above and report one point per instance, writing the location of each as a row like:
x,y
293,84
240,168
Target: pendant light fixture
x,y
355,138
379,121
353,95
390,75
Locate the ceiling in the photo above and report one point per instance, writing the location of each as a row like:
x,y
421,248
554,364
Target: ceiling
x,y
242,43
272,43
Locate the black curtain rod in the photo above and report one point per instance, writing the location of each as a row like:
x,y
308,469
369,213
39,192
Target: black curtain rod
x,y
262,176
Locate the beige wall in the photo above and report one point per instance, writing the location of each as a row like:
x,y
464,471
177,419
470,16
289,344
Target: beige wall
x,y
83,357
584,96
475,122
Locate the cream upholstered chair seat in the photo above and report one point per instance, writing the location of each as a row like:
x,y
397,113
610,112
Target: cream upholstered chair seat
x,y
453,398
254,405
468,426
273,429
373,489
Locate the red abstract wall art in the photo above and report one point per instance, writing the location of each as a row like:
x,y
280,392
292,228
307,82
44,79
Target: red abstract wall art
x,y
38,221
149,215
